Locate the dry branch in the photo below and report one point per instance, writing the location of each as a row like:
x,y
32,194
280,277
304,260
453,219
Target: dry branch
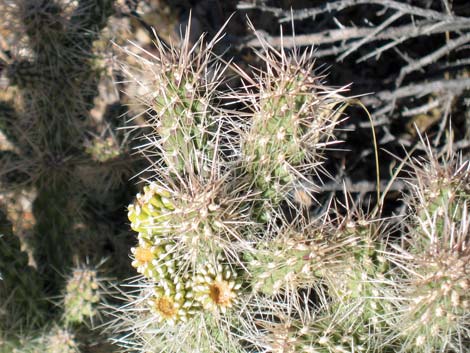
x,y
398,34
290,15
385,101
433,57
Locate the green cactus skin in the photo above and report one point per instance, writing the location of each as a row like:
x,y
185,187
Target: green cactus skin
x,y
362,277
325,332
183,123
437,303
440,192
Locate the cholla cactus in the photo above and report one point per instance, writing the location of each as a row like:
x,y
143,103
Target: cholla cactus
x,y
60,341
434,266
180,86
193,198
197,215
83,294
439,191
55,76
220,258
21,288
53,340
362,276
323,334
103,149
294,256
293,116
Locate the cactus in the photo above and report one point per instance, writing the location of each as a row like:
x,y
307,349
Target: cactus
x,y
293,116
362,278
181,92
83,294
207,252
230,251
295,256
61,341
57,83
434,270
325,334
53,340
440,191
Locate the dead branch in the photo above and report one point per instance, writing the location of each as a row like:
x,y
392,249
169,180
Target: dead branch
x,y
448,101
399,34
371,35
433,57
361,187
288,15
422,109
385,100
456,86
419,22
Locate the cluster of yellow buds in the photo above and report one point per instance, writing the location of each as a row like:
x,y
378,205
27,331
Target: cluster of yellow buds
x,y
153,261
150,213
216,287
173,300
179,290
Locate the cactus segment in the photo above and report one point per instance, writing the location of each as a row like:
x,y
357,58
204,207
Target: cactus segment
x,y
293,116
82,295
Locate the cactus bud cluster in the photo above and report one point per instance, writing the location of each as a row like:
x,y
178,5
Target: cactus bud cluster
x,y
149,214
179,292
173,299
216,287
